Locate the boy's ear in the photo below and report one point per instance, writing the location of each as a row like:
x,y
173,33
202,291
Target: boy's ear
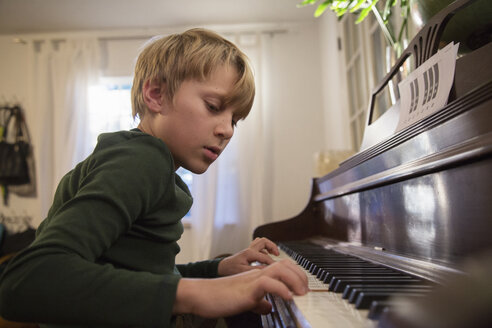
x,y
152,93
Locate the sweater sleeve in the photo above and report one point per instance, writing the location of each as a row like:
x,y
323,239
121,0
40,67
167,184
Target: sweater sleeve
x,y
58,279
201,269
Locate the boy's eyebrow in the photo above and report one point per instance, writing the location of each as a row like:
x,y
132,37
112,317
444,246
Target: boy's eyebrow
x,y
216,94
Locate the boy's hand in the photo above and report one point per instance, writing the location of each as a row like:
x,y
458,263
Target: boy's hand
x,y
220,297
257,251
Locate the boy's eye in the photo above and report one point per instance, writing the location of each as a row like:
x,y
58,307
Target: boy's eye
x,y
234,123
212,107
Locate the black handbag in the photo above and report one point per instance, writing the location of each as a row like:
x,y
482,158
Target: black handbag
x,y
14,168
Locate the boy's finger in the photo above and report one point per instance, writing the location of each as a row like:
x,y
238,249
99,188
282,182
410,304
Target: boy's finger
x,y
277,286
297,270
294,278
260,257
265,244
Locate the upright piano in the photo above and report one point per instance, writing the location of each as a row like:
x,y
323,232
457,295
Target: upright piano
x,y
400,234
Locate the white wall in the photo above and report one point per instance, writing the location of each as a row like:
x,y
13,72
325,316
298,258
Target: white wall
x,y
337,135
297,118
14,88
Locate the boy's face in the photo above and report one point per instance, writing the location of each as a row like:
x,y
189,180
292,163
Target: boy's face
x,y
196,125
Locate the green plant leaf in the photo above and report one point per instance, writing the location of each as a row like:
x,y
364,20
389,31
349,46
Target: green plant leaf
x,y
340,11
306,2
322,7
340,7
340,4
365,12
357,5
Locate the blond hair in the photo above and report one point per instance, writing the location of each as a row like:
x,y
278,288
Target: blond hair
x,y
193,54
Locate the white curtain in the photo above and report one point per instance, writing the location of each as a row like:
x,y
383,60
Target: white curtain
x,y
61,73
233,196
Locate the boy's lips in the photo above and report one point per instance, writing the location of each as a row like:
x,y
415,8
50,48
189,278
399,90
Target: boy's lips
x,y
212,152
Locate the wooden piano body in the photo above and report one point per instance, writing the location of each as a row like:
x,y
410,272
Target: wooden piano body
x,y
419,200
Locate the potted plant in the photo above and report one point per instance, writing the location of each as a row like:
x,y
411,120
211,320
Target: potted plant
x,y
471,27
364,8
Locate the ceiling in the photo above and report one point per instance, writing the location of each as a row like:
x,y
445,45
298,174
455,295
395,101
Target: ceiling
x,y
42,16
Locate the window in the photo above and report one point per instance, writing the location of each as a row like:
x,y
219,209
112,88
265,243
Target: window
x,y
110,110
367,60
110,106
357,87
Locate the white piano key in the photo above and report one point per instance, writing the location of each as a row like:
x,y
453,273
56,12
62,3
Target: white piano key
x,y
321,308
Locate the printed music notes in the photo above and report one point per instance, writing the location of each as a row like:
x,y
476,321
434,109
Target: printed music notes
x,y
426,90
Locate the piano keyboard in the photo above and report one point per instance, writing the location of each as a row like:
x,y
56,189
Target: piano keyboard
x,y
346,291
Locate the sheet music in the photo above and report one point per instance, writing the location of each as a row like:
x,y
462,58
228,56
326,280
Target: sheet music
x,y
426,90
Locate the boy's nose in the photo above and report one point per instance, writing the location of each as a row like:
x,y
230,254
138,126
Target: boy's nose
x,y
224,129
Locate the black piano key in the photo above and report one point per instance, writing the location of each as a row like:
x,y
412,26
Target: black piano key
x,y
336,279
326,273
315,266
345,264
347,292
329,258
366,298
341,284
331,275
377,308
354,295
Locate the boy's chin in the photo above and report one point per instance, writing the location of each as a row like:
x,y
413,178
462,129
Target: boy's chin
x,y
198,169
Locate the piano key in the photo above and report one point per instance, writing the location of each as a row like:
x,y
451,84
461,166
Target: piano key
x,y
334,313
349,271
346,264
357,291
327,258
283,312
326,273
340,274
268,321
378,307
321,270
347,292
339,285
365,299
318,265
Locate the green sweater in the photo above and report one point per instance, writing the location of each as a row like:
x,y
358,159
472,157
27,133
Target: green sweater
x,y
104,256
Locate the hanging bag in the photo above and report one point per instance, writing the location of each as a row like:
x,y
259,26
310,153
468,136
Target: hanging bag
x,y
14,168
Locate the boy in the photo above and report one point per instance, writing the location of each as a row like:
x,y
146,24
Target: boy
x,y
105,254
